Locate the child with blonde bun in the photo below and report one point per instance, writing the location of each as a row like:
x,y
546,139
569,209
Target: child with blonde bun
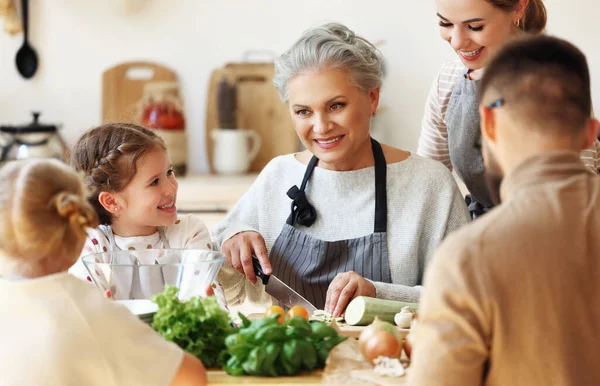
x,y
56,329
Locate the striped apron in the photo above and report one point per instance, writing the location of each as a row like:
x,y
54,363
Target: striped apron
x,y
308,264
464,144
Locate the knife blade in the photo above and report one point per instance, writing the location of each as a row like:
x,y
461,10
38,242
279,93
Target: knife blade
x,y
281,291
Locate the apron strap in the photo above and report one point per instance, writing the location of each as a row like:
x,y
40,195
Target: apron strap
x,y
309,170
302,211
305,214
380,187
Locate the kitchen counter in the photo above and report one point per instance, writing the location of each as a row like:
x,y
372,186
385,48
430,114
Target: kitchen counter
x,y
218,377
211,196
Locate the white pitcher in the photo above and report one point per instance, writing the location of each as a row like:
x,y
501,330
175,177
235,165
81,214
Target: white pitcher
x,y
233,152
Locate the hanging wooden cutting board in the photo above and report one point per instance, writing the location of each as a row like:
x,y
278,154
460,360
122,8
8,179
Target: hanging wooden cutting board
x,y
122,88
258,108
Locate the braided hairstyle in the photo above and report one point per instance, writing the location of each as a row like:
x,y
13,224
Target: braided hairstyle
x,y
43,217
108,155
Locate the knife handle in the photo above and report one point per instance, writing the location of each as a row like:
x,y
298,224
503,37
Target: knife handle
x,y
259,272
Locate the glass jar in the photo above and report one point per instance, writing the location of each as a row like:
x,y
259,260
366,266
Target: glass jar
x,y
162,111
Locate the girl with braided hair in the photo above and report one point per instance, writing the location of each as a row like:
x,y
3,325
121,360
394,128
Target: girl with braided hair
x,y
50,317
134,192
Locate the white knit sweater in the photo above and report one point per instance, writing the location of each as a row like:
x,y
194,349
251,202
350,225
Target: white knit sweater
x,y
424,205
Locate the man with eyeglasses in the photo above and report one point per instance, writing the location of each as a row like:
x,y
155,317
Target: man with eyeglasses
x,y
514,298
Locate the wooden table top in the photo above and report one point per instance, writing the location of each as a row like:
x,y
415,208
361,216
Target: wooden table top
x,y
218,377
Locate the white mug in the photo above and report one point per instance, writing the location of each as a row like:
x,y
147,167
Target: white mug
x,y
232,152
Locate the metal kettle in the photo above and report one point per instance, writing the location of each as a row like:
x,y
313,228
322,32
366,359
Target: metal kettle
x,y
33,140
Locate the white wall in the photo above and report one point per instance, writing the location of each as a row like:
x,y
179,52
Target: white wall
x,y
77,39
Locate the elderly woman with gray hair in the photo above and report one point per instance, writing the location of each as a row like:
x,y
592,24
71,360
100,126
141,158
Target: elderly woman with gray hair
x,y
365,217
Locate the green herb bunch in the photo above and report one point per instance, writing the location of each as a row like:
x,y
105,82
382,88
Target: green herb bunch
x,y
199,325
266,347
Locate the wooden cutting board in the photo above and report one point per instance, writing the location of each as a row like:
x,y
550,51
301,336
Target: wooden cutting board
x,y
122,90
354,331
258,108
369,375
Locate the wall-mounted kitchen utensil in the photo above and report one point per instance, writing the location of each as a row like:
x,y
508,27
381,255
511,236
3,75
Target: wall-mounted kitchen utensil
x,y
27,59
33,140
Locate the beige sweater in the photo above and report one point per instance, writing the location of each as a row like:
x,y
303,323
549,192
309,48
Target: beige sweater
x,y
514,298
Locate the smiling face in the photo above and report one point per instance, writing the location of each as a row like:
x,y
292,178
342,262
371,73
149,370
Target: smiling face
x,y
148,201
475,28
332,117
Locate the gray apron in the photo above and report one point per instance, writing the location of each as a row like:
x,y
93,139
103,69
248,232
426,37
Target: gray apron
x,y
308,264
464,144
137,282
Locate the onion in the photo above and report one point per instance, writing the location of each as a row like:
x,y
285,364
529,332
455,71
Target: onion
x,y
377,326
382,344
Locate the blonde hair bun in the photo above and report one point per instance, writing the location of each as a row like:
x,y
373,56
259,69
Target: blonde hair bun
x,y
44,214
76,210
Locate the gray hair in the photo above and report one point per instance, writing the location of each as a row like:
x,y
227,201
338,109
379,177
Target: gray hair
x,y
330,46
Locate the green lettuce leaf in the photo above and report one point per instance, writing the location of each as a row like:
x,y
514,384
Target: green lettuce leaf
x,y
199,326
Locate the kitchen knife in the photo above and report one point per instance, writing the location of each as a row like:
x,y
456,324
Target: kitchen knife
x,y
286,296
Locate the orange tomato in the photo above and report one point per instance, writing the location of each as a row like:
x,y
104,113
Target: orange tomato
x,y
297,311
275,310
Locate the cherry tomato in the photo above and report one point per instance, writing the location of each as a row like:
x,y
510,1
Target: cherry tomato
x,y
297,311
275,310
